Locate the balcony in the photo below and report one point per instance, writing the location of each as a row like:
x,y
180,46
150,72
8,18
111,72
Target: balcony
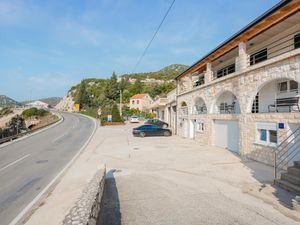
x,y
199,107
279,96
227,103
197,79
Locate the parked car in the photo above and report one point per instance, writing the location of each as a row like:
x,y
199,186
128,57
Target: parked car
x,y
151,130
134,119
157,122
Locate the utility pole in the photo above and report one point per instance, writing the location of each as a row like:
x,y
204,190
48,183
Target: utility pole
x,y
120,102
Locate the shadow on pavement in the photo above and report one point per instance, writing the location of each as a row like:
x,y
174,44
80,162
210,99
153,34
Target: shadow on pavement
x,y
265,175
110,208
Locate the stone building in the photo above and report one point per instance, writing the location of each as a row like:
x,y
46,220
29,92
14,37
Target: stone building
x,y
141,102
244,94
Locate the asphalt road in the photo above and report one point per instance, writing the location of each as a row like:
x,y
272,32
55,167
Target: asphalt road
x,y
29,165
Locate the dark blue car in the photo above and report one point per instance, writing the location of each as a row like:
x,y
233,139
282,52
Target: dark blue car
x,y
150,130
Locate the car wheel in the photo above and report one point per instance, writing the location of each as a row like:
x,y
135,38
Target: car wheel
x,y
167,133
142,134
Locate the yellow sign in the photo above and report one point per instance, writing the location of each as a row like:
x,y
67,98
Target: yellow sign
x,y
77,106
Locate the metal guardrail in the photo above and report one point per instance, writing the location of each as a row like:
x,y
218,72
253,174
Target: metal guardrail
x,y
15,136
286,151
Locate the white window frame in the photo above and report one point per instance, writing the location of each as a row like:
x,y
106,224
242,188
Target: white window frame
x,y
268,127
199,126
288,87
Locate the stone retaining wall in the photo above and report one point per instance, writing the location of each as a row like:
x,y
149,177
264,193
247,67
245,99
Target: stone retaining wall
x,y
86,209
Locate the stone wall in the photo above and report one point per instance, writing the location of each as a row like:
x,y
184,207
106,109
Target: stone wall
x,y
244,85
86,209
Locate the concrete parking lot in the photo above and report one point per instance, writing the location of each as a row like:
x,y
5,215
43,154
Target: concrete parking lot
x,y
170,180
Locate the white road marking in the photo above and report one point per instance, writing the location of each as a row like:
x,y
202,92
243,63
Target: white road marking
x,y
14,162
61,136
29,207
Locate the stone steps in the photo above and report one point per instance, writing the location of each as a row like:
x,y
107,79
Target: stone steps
x,y
294,171
288,186
291,179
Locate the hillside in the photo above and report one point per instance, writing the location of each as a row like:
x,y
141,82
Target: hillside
x,y
7,102
52,101
167,73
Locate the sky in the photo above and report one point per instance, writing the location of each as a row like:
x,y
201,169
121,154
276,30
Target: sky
x,y
48,46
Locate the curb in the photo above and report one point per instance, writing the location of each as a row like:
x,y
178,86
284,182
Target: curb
x,y
26,213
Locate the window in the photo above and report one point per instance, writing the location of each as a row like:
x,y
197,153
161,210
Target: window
x,y
226,70
255,106
288,86
273,136
132,101
137,102
199,126
293,85
283,87
262,134
267,133
297,41
259,56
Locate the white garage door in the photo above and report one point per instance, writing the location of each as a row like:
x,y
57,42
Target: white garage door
x,y
227,135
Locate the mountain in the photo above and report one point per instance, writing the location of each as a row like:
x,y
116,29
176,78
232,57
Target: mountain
x,y
167,73
6,101
52,101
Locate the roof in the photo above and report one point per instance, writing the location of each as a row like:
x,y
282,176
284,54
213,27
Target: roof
x,y
254,23
139,96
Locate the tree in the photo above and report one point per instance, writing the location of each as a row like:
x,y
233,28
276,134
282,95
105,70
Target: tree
x,y
124,83
16,124
111,90
82,97
138,85
116,114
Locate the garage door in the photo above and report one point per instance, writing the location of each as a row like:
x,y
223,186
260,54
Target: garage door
x,y
227,135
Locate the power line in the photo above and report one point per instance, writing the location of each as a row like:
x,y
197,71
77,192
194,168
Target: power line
x,y
150,42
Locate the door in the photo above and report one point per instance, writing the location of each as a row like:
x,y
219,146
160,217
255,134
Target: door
x,y
227,134
294,144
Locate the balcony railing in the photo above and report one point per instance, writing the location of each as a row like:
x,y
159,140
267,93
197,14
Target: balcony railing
x,y
200,109
278,47
225,108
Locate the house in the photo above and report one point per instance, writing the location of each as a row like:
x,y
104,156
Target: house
x,y
166,108
158,107
141,102
37,104
244,95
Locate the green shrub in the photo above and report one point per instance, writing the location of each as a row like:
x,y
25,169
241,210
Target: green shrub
x,y
116,114
34,112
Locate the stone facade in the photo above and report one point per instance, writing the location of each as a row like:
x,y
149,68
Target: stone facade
x,y
244,85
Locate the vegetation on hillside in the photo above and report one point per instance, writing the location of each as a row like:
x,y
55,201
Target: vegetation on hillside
x,y
13,127
95,93
5,111
167,73
34,112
